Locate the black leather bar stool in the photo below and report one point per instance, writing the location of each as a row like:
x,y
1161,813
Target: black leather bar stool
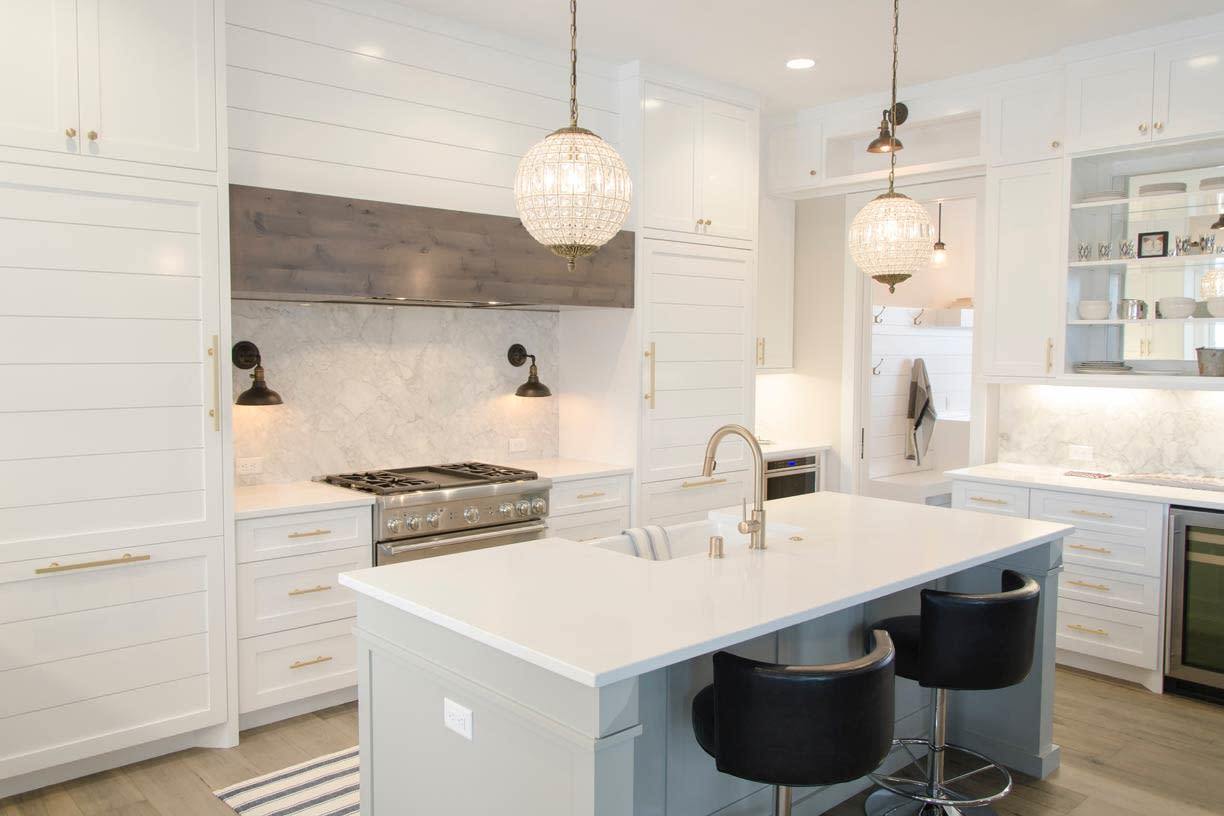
x,y
791,726
960,642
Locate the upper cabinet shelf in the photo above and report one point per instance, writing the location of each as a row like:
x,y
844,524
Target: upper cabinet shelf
x,y
1173,202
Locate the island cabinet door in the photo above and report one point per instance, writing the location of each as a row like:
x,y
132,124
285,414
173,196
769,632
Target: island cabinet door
x,y
698,370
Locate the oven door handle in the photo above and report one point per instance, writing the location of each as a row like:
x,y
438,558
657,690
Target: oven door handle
x,y
394,549
795,471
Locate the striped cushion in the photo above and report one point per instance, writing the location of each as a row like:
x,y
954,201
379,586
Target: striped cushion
x,y
327,786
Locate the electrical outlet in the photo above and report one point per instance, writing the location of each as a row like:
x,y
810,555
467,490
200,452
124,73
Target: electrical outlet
x,y
1079,453
518,445
457,718
250,467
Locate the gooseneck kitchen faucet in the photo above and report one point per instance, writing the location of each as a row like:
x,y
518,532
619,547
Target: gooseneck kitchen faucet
x,y
755,526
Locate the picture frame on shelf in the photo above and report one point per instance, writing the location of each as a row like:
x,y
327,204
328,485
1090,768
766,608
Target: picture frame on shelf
x,y
1153,244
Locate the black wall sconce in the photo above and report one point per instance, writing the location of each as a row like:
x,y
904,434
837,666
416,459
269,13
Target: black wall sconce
x,y
517,355
246,356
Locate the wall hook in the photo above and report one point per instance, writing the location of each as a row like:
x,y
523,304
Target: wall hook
x,y
875,369
918,317
879,316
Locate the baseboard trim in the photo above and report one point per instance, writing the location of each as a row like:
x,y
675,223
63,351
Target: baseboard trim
x,y
1153,681
296,708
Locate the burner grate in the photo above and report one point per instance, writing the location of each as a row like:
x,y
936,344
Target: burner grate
x,y
408,480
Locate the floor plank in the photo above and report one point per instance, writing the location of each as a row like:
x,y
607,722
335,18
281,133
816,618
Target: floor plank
x,y
1126,752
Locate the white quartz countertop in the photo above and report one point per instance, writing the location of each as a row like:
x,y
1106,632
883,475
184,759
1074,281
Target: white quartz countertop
x,y
568,470
782,448
1055,478
257,501
597,616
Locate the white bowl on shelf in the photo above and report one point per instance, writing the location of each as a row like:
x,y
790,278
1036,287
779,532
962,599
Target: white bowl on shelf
x,y
1175,308
1094,309
1215,306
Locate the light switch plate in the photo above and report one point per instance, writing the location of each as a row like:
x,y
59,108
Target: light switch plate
x,y
457,718
1079,453
250,467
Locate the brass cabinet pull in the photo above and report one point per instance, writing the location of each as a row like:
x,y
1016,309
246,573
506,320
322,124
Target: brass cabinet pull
x,y
1159,125
319,588
760,351
215,411
1143,127
310,533
56,566
594,494
70,133
93,135
1055,144
1087,585
301,664
650,395
1049,354
705,483
1102,550
1093,514
988,500
1075,627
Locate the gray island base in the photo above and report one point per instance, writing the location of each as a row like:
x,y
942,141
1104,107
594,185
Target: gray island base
x,y
555,678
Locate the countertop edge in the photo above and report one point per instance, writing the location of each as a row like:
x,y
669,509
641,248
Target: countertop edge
x,y
1155,494
286,504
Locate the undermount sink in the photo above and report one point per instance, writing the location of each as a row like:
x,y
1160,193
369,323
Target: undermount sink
x,y
693,538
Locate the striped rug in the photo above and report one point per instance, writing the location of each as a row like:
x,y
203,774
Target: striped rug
x,y
326,786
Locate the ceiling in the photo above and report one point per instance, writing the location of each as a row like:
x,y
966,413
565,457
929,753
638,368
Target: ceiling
x,y
747,43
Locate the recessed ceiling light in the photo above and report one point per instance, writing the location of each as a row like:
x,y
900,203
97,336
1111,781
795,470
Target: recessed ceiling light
x,y
800,63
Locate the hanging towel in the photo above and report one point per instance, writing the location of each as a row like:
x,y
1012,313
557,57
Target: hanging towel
x,y
650,542
921,413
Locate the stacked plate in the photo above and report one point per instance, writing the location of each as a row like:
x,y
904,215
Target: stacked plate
x,y
1102,367
1165,188
1215,183
1105,195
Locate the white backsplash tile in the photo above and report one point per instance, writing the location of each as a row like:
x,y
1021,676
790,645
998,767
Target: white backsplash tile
x,y
1130,430
375,386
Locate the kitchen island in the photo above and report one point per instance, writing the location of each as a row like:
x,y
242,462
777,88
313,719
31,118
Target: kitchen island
x,y
552,677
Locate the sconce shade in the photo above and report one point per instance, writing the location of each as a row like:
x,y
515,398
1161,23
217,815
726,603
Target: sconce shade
x,y
517,355
246,356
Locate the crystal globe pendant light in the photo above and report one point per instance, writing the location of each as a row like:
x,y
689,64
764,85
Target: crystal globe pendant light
x,y
572,190
890,238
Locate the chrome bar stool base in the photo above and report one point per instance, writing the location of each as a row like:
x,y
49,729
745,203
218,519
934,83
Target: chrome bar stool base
x,y
887,803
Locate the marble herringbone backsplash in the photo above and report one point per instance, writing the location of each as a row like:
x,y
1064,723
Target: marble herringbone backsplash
x,y
374,386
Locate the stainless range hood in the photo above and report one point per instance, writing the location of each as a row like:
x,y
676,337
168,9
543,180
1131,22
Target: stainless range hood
x,y
303,247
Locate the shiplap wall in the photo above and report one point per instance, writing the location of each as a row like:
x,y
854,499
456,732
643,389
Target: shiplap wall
x,y
895,342
372,99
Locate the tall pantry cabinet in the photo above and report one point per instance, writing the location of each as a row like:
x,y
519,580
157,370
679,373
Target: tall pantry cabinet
x,y
694,152
114,386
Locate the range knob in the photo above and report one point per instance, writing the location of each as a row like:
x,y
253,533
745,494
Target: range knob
x,y
538,506
471,515
433,519
413,523
395,525
506,510
523,507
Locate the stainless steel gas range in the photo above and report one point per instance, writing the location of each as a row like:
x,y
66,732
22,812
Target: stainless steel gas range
x,y
422,512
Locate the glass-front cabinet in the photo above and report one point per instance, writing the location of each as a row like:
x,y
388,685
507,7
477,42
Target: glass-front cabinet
x,y
1145,281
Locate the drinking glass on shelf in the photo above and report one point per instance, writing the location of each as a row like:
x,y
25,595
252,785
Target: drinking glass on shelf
x,y
1103,250
1085,251
1181,245
1126,248
1207,243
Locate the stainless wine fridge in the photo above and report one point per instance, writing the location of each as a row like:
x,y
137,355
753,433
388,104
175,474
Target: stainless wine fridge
x,y
1195,637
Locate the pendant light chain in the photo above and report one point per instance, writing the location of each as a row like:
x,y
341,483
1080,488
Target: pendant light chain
x,y
574,63
892,132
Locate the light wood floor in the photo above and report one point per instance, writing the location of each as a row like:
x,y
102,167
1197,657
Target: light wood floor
x,y
1125,753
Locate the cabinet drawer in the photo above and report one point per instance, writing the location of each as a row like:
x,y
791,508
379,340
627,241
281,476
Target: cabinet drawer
x,y
1112,634
1120,553
589,526
1003,500
300,590
589,494
1101,514
694,497
300,533
1138,593
67,584
287,666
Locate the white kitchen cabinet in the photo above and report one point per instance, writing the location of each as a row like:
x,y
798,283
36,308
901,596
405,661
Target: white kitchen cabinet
x,y
590,508
698,371
700,161
38,75
1021,312
1189,74
775,289
122,79
1109,101
793,156
1026,119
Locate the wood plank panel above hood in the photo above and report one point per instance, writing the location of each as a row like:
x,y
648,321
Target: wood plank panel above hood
x,y
288,245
